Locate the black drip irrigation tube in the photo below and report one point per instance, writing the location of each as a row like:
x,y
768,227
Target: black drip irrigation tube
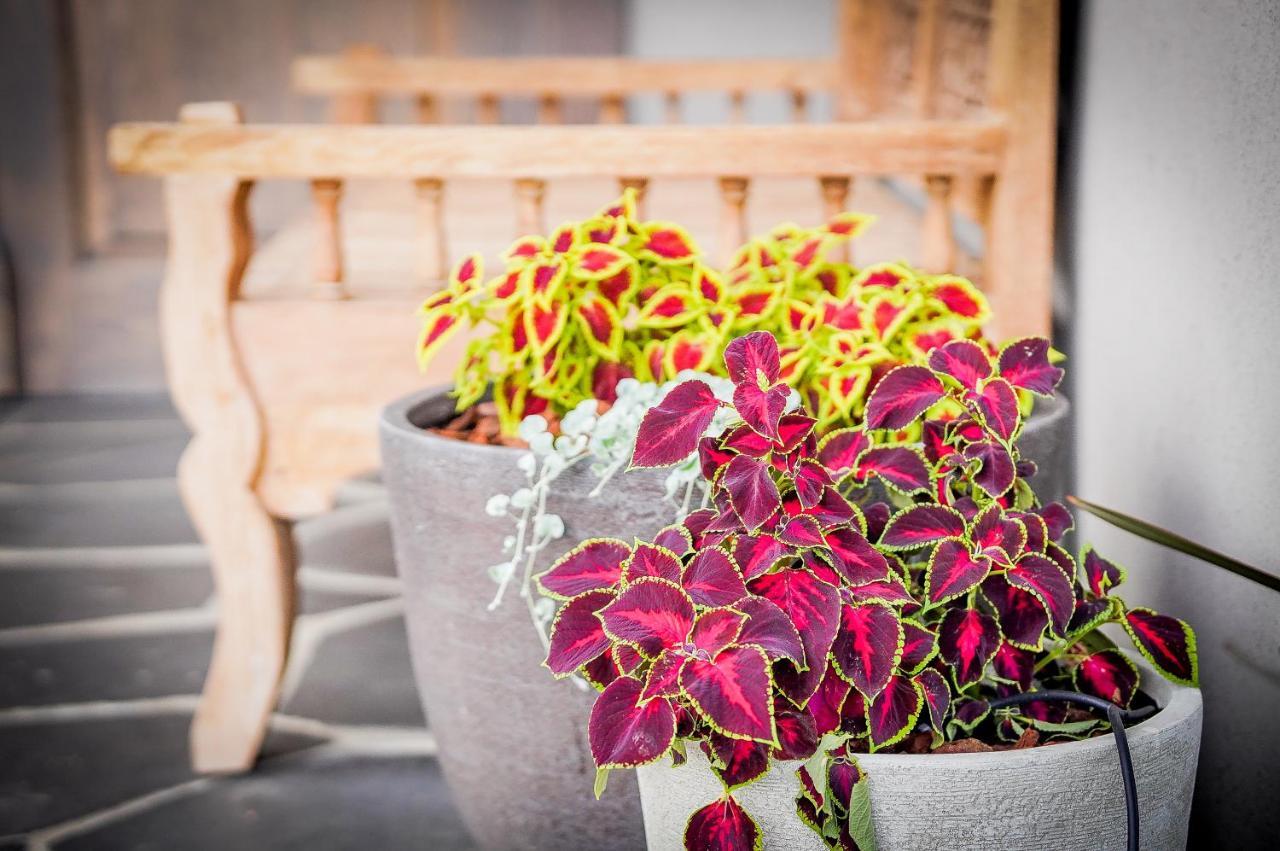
x,y
1117,717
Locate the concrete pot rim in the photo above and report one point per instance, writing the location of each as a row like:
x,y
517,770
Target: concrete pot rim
x,y
1177,703
398,416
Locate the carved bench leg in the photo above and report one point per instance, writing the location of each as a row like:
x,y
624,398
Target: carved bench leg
x,y
253,568
251,552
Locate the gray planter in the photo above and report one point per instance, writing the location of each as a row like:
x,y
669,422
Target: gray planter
x,y
1046,440
513,744
512,740
1060,797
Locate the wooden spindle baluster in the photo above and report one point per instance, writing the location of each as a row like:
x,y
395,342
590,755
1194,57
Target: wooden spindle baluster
x,y
549,111
835,200
671,102
737,108
926,63
613,109
326,193
358,107
939,245
529,194
799,106
733,216
433,260
427,109
488,109
982,199
640,185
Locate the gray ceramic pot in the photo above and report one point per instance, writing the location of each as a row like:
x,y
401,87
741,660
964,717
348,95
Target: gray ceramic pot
x,y
1064,797
1046,440
512,739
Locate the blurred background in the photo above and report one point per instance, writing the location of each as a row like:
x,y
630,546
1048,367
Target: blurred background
x,y
1166,301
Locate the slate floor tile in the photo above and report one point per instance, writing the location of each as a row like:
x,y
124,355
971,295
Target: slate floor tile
x,y
119,668
31,596
94,451
363,676
53,772
98,514
359,803
355,538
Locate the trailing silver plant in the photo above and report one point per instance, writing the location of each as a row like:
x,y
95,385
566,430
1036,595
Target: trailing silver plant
x,y
604,441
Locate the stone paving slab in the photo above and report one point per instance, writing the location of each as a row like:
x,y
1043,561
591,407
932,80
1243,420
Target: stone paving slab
x,y
56,595
99,514
105,634
356,537
95,450
355,803
363,676
107,668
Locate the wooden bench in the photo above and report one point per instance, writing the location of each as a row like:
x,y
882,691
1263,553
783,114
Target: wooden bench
x,y
281,386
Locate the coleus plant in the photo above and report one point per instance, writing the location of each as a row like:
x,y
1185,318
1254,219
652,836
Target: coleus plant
x,y
841,593
614,297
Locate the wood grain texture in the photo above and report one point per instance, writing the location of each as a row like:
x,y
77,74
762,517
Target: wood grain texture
x,y
295,151
570,76
250,550
1023,80
325,369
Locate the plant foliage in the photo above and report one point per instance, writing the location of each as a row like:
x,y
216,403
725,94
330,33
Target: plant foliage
x,y
573,313
840,594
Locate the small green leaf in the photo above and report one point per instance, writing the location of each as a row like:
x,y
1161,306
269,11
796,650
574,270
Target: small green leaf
x,y
861,827
602,780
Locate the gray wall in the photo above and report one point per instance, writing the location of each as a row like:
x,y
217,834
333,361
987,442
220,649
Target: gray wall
x,y
1171,233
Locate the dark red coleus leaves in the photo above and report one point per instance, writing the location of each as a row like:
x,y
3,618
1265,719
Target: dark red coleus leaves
x,y
922,525
651,615
736,761
1108,674
577,635
894,711
670,430
953,571
814,609
722,825
902,396
591,566
967,639
1166,642
734,692
963,360
868,646
712,579
753,359
623,733
751,490
902,468
1044,579
1025,363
